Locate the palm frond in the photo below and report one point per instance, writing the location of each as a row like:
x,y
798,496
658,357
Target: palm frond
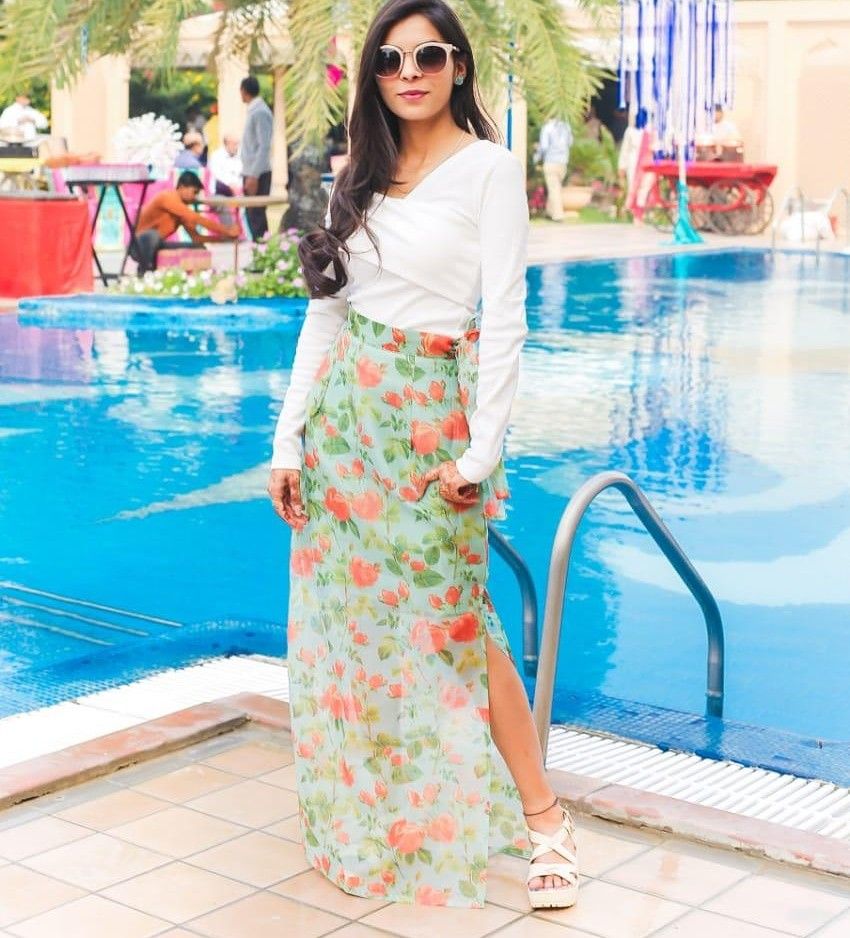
x,y
529,39
313,104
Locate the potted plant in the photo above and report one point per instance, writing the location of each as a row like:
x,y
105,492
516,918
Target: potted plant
x,y
592,166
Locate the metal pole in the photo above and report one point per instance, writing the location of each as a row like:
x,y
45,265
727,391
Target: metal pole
x,y
529,598
557,586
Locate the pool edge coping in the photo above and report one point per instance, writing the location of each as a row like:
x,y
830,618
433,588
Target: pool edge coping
x,y
632,807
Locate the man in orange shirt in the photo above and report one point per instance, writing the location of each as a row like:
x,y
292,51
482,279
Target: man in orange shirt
x,y
165,213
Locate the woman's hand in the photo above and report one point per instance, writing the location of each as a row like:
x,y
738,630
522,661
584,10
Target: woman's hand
x,y
453,487
285,493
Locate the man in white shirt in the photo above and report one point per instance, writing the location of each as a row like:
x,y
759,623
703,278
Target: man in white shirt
x,y
226,167
23,117
553,149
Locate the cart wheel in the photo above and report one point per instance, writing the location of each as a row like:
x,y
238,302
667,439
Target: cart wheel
x,y
762,209
700,217
730,221
661,214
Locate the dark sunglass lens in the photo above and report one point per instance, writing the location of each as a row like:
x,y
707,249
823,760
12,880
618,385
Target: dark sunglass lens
x,y
387,63
431,59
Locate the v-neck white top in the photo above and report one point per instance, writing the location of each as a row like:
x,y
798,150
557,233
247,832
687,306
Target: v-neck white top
x,y
454,245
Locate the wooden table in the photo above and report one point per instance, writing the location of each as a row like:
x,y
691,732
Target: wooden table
x,y
237,202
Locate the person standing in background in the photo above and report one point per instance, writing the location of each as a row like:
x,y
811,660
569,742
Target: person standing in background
x,y
24,118
256,154
553,149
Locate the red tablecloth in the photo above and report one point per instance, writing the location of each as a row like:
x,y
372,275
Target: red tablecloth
x,y
45,247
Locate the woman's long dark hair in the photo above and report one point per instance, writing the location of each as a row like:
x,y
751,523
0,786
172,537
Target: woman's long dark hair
x,y
374,140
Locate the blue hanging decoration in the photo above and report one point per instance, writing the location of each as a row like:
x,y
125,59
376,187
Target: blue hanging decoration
x,y
675,68
84,44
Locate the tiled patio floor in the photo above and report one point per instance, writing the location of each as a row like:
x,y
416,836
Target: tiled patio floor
x,y
204,842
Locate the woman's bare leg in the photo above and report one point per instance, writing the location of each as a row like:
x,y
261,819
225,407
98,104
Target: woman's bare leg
x,y
514,734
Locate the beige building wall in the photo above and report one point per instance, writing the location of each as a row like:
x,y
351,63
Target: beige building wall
x,y
793,90
89,112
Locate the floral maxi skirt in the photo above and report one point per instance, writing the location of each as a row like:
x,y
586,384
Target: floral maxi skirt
x,y
402,792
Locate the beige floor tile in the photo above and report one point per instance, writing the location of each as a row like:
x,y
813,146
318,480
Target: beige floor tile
x,y
111,810
637,835
837,928
178,933
359,930
614,912
600,849
178,892
24,893
427,921
680,873
257,858
529,926
265,915
252,759
90,917
315,889
290,828
187,782
250,803
506,882
33,837
797,904
178,832
701,924
284,778
97,861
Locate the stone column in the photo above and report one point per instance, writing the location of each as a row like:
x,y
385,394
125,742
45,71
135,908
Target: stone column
x,y
280,162
89,112
231,109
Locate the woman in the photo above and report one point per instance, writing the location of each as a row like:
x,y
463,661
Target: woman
x,y
393,641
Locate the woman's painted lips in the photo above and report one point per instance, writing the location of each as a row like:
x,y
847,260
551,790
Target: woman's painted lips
x,y
413,95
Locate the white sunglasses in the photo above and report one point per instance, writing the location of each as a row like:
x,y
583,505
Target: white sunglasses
x,y
429,57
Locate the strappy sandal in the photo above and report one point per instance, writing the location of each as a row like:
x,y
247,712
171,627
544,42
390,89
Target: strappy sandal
x,y
555,897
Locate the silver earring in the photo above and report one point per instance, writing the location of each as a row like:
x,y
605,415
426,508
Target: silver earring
x,y
459,80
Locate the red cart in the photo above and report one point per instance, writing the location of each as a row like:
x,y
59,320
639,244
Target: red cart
x,y
729,198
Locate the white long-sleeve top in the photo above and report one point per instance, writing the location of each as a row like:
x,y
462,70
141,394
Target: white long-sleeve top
x,y
456,242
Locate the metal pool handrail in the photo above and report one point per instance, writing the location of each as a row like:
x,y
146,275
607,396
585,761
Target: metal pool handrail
x,y
557,585
528,594
787,202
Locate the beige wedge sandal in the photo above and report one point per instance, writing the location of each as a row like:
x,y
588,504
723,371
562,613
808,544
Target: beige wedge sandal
x,y
556,897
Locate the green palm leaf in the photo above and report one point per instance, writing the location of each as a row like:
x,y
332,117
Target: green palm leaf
x,y
530,39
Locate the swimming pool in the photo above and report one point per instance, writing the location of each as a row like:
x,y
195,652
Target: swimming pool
x,y
133,474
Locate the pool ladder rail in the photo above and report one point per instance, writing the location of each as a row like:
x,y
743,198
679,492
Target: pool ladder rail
x,y
796,200
544,664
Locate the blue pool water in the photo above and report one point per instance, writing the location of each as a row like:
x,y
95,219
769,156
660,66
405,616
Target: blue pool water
x,y
133,465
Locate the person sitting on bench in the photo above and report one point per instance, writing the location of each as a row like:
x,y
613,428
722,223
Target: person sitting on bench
x,y
165,213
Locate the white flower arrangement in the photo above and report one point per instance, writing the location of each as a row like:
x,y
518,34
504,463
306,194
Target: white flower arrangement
x,y
154,141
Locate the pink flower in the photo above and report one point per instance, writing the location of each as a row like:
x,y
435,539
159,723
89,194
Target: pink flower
x,y
368,506
455,427
424,437
369,373
337,504
464,628
405,836
362,572
454,696
443,828
427,895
